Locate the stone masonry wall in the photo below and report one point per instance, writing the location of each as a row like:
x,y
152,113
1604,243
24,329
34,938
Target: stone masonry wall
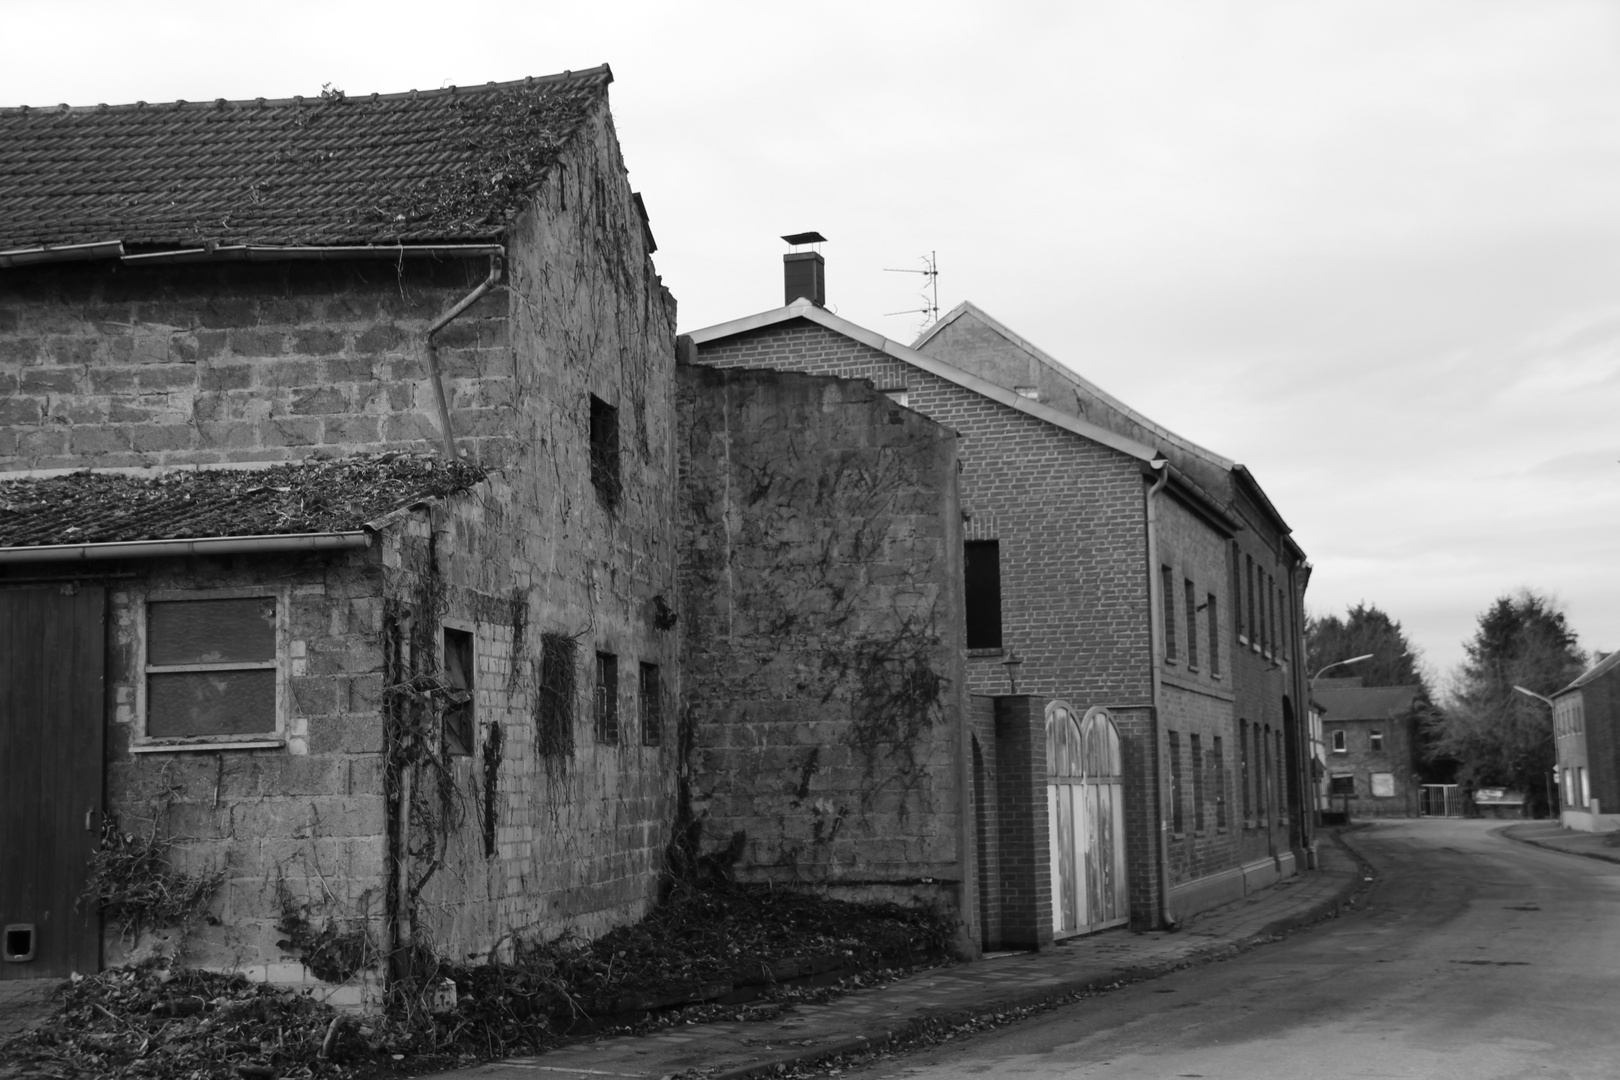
x,y
822,634
299,829
105,365
1068,515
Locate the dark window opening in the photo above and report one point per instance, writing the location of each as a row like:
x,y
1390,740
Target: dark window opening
x,y
607,699
458,674
1192,625
1243,769
1167,602
1178,822
1214,636
1198,782
652,706
554,698
1218,766
1377,740
982,560
605,452
1341,785
211,668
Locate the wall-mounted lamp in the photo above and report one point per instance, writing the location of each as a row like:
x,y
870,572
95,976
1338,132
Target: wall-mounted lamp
x,y
1012,663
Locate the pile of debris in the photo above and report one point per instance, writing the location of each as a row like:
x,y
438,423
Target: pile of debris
x,y
705,953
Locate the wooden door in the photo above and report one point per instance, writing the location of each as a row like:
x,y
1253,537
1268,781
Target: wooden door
x,y
52,660
1085,801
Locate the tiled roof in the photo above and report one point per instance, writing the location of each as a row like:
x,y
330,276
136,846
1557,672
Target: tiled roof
x,y
187,504
1602,667
1365,702
329,170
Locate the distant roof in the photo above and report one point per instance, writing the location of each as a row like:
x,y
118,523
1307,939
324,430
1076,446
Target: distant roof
x,y
804,309
285,499
1602,667
327,170
1365,702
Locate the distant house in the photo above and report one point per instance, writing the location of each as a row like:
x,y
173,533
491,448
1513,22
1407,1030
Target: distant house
x,y
379,702
1586,729
1109,780
1369,740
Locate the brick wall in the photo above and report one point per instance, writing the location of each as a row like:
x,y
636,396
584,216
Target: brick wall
x,y
822,633
1026,879
1359,760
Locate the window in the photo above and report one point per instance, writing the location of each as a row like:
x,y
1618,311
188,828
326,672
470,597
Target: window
x,y
1271,623
1377,740
1243,768
898,395
554,697
1254,632
1282,625
1192,625
605,452
1214,635
607,698
1178,822
652,705
458,673
1168,602
1198,781
1341,784
1237,595
1219,767
1584,782
1383,785
982,561
213,671
1338,742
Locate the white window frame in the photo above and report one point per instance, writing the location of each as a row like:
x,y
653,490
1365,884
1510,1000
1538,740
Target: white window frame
x,y
142,743
1339,741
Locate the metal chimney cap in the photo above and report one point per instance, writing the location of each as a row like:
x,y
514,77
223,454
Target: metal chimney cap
x,y
805,238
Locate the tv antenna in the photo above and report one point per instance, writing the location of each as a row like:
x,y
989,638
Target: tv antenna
x,y
930,294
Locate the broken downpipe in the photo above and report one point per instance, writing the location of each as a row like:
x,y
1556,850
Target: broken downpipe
x,y
497,265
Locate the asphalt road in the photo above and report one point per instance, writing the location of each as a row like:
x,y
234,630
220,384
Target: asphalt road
x,y
1475,957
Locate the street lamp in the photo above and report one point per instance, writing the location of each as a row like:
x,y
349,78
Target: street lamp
x,y
1553,790
1311,709
1339,663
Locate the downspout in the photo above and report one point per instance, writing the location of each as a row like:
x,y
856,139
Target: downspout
x,y
496,266
1156,636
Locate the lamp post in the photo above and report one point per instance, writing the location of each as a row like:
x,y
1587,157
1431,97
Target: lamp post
x,y
1553,791
1310,704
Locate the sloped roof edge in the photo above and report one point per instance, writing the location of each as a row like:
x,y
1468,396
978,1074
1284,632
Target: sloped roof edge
x,y
254,103
804,309
967,307
1602,667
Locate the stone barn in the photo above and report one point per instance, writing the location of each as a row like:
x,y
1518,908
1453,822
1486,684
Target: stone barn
x,y
338,535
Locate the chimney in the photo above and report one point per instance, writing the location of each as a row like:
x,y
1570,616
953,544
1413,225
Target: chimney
x,y
804,273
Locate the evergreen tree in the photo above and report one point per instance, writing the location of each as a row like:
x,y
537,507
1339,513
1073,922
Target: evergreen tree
x,y
1364,629
1497,736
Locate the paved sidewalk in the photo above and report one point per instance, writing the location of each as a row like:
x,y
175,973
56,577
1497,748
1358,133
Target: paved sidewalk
x,y
869,1018
1550,834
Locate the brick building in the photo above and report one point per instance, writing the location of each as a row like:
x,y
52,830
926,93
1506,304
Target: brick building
x,y
1107,758
1369,741
382,703
1586,731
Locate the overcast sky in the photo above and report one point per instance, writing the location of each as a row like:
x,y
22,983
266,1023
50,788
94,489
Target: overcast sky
x,y
1371,250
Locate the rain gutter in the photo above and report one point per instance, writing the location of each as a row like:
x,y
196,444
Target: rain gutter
x,y
496,266
47,253
155,549
1156,635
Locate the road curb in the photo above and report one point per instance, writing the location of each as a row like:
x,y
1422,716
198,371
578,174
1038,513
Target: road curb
x,y
1507,832
1320,910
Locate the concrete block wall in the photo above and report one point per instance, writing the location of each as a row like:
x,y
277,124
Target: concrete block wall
x,y
581,838
104,365
310,816
820,593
